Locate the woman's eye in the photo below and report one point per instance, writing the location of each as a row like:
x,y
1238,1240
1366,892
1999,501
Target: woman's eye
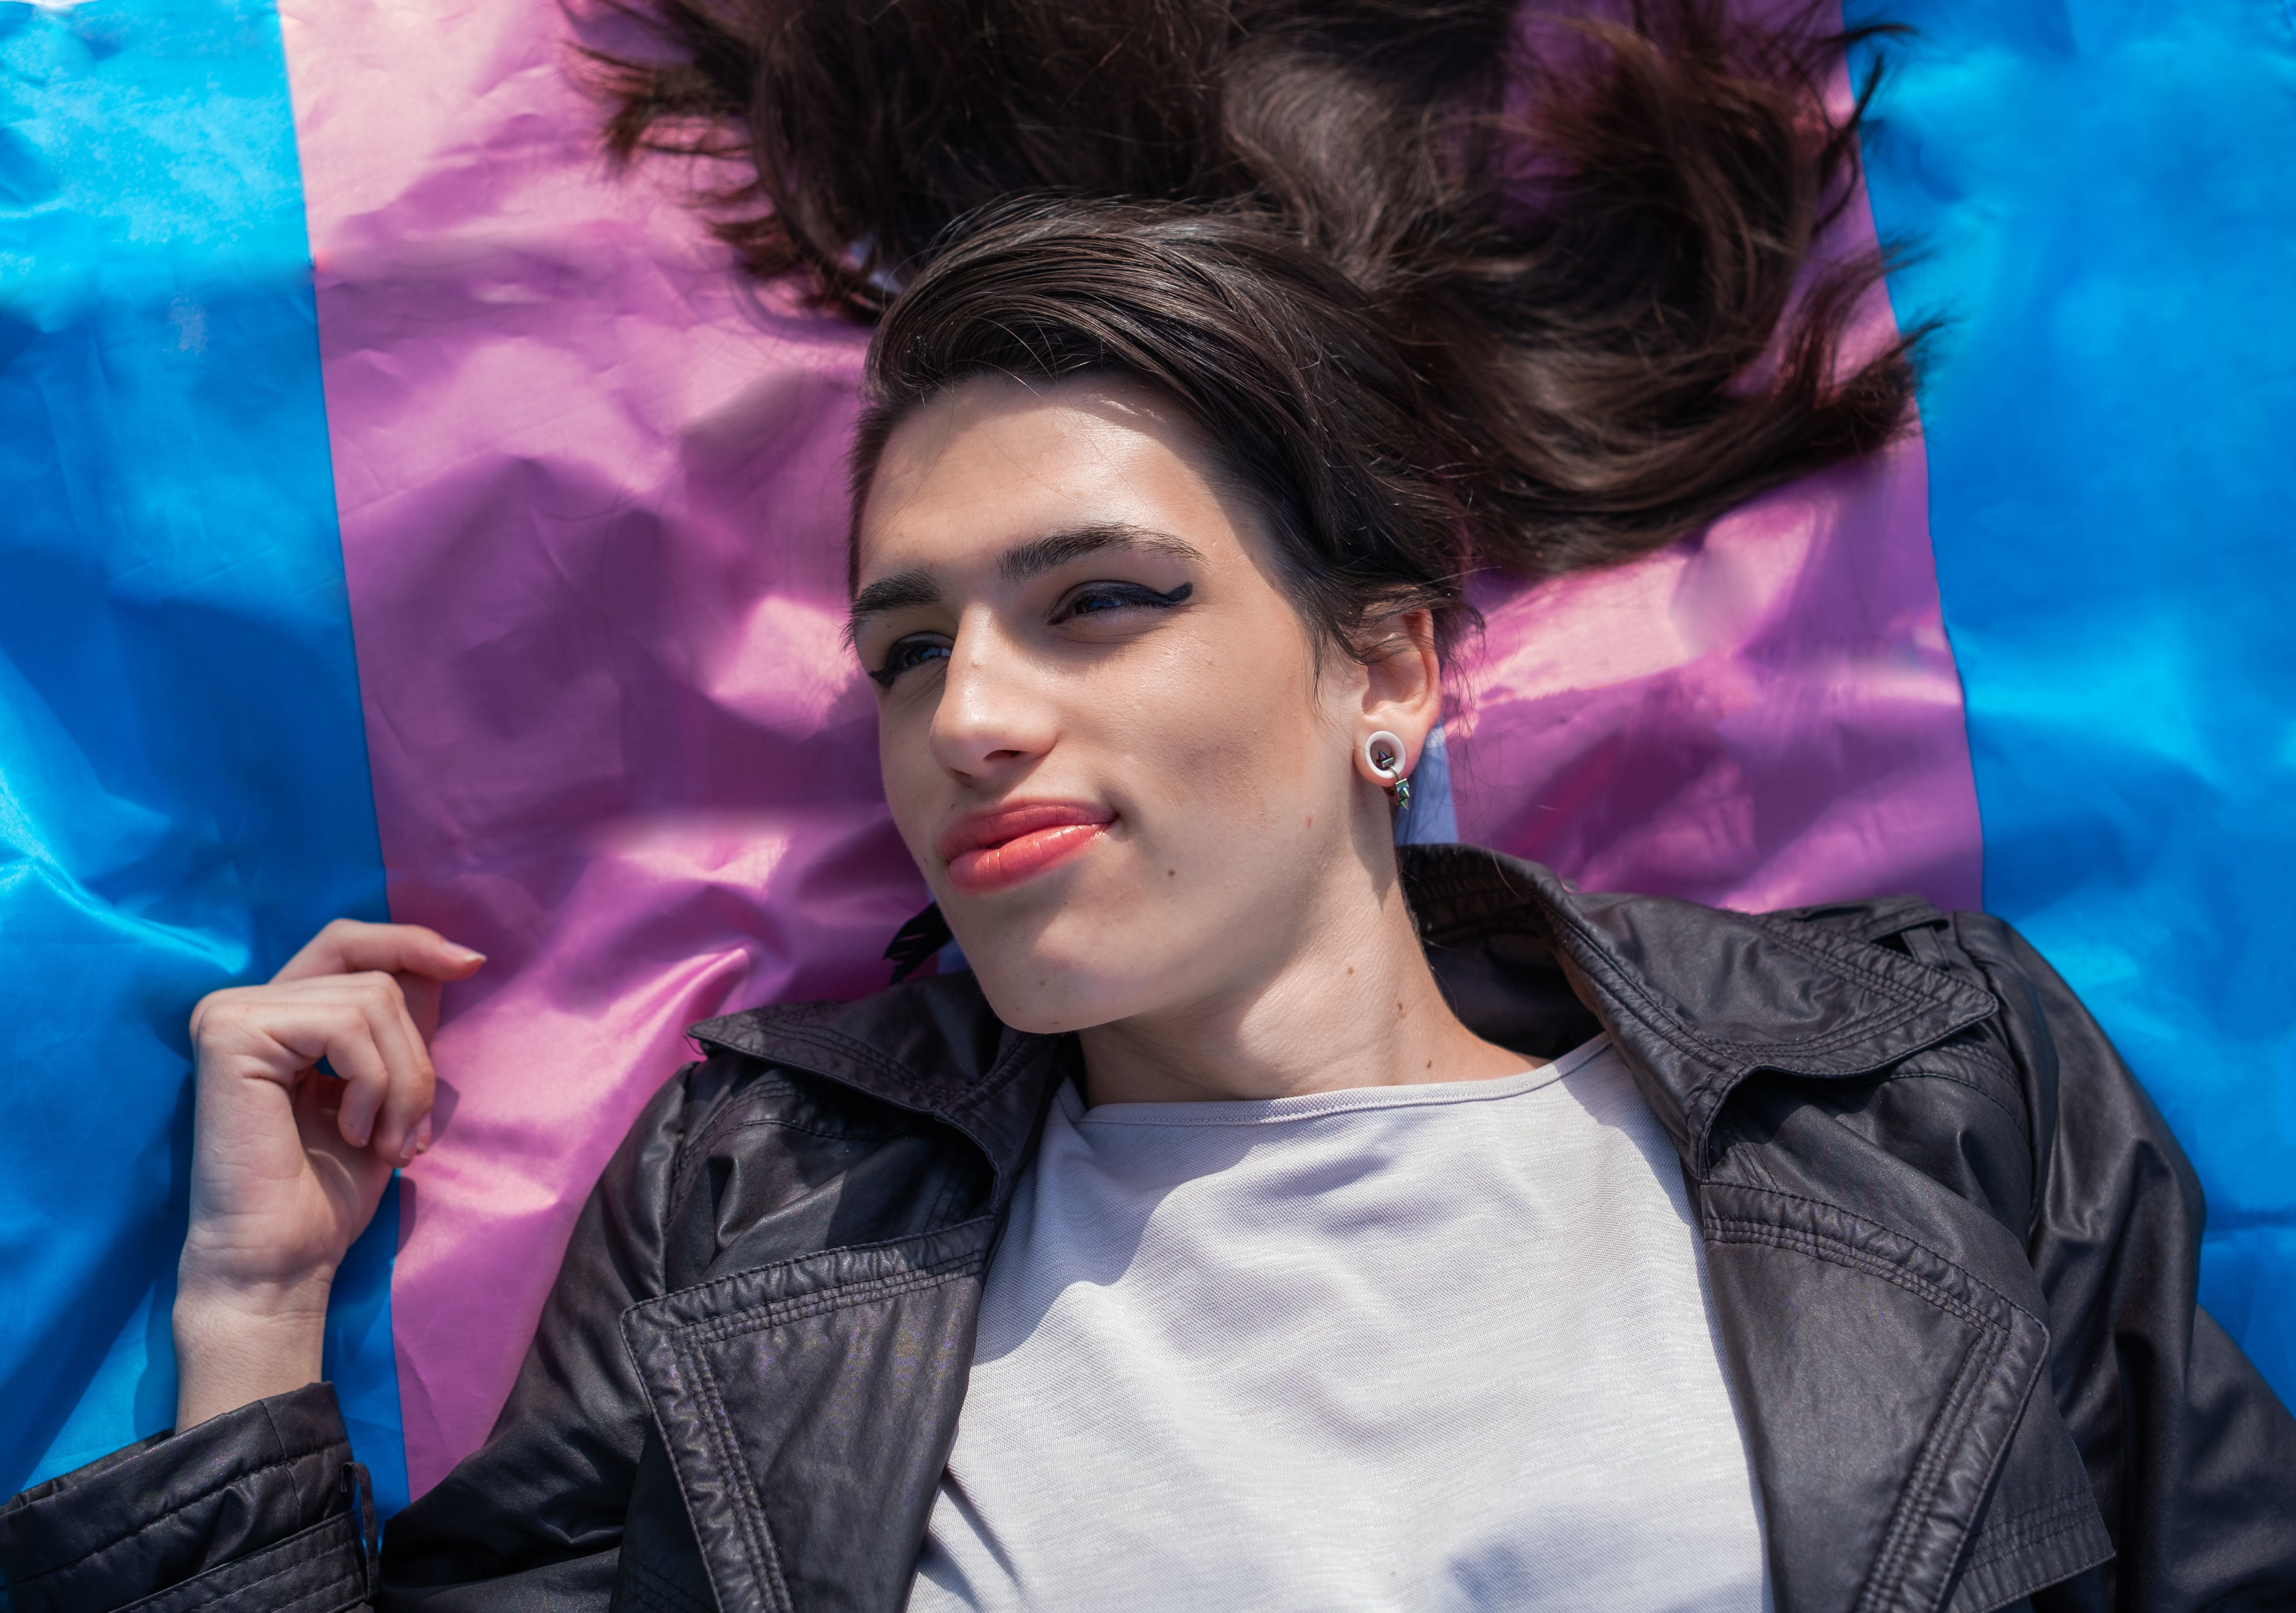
x,y
907,656
1093,598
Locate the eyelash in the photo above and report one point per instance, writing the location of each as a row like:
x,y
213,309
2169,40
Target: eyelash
x,y
1118,594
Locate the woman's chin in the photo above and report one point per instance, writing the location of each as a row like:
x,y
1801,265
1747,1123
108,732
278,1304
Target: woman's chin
x,y
1054,955
1046,991
1044,1000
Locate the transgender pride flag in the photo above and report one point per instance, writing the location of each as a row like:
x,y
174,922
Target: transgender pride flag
x,y
401,515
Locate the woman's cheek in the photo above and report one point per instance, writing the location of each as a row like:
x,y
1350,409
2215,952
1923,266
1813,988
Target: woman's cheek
x,y
904,761
1235,765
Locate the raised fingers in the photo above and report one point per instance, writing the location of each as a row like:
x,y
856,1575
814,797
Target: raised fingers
x,y
358,1025
357,1057
349,946
400,1129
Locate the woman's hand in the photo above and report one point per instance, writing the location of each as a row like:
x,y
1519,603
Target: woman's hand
x,y
288,1162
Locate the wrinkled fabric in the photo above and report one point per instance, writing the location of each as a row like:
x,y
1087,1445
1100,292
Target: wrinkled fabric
x,y
592,520
1210,1321
262,1509
1905,1142
2107,215
183,790
1764,715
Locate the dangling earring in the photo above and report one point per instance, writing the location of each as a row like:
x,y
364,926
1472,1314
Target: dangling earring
x,y
1384,754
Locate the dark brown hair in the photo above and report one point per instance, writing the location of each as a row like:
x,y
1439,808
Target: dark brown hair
x,y
1448,286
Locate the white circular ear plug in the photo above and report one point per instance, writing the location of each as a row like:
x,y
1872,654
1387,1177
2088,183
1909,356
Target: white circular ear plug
x,y
1384,754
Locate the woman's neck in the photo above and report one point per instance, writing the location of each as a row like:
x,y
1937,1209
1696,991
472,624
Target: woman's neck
x,y
1354,1004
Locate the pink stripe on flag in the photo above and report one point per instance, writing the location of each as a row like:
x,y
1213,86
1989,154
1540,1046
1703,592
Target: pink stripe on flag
x,y
592,522
1764,716
592,514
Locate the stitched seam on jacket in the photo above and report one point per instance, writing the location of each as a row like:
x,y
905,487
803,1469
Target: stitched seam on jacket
x,y
1557,917
1985,1581
1703,1050
1980,1061
774,1313
1747,1160
328,1597
827,1040
1848,1254
992,1084
1704,1047
185,1505
1909,1002
309,1553
1982,1286
1021,1062
655,1302
1800,941
1752,1052
791,1125
1947,1434
2034,1526
748,1509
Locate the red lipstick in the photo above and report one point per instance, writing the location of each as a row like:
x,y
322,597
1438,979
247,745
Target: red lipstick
x,y
997,850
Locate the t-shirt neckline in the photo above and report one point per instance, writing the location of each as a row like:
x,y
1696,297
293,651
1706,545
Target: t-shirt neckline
x,y
1311,1106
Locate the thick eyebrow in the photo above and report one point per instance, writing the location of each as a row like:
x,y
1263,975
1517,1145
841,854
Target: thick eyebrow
x,y
904,590
1041,554
897,592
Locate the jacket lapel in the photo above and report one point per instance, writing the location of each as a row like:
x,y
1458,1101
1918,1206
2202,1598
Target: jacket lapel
x,y
1882,1335
809,1406
807,1409
1699,998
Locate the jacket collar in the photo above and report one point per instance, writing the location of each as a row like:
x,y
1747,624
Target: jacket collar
x,y
1696,998
933,1045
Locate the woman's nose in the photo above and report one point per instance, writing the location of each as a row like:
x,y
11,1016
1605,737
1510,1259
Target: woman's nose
x,y
994,716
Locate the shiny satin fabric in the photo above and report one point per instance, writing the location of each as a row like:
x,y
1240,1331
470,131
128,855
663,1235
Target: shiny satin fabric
x,y
591,522
184,792
2108,215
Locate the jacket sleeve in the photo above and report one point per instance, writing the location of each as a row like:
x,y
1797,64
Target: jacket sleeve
x,y
534,1518
259,1511
263,1511
2191,1456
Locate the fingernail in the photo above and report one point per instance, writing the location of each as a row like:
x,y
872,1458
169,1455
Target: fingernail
x,y
462,954
422,1134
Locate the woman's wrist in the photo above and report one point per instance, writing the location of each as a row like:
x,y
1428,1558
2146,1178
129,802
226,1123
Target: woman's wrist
x,y
237,1343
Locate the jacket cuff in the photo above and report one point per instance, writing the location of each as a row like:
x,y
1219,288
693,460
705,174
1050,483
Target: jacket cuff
x,y
273,1477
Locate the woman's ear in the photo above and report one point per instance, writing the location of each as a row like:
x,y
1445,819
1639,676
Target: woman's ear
x,y
1403,679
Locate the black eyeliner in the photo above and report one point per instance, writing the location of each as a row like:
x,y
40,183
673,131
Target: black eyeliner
x,y
884,676
1133,593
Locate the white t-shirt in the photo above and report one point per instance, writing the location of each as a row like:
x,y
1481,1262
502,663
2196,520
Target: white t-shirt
x,y
1396,1348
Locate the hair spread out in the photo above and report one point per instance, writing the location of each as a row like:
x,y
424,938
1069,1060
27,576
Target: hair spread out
x,y
1451,284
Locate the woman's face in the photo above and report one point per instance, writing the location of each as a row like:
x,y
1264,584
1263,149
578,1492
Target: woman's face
x,y
1104,735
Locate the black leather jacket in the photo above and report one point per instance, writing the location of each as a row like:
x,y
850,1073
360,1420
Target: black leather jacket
x,y
1952,1251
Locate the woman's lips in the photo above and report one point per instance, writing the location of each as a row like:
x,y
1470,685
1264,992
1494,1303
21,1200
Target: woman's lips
x,y
996,850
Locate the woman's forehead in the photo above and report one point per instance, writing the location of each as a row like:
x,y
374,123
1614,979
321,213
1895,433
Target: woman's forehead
x,y
994,462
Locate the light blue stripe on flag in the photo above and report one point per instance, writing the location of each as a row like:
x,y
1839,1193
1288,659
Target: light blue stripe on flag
x,y
184,793
2106,196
